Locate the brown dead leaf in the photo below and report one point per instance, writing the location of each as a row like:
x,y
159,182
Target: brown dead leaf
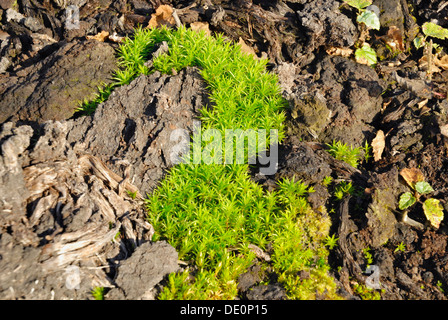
x,y
422,103
232,24
396,38
412,176
116,38
102,36
163,16
246,49
200,26
378,145
423,63
343,52
442,63
444,130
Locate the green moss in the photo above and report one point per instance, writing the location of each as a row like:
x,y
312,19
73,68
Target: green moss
x,y
343,152
366,293
98,293
212,213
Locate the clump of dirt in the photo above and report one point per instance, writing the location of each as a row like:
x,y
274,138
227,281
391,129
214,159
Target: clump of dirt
x,y
71,201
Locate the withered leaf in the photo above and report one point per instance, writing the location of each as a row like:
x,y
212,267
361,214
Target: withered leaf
x,y
200,26
396,37
378,145
246,49
163,16
444,130
343,52
102,36
423,63
412,176
442,63
433,211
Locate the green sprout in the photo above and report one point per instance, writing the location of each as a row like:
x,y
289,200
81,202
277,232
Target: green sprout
x,y
432,208
440,286
368,255
433,30
98,293
342,189
331,242
400,247
367,151
327,180
366,293
365,54
343,152
131,194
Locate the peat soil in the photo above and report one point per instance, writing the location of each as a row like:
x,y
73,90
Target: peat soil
x,y
63,178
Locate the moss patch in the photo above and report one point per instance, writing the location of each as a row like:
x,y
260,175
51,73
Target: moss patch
x,y
213,214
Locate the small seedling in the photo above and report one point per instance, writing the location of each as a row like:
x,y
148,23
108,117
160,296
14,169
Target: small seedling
x,y
367,151
400,247
331,242
365,15
432,208
367,255
433,30
131,194
327,180
365,54
342,151
98,293
342,189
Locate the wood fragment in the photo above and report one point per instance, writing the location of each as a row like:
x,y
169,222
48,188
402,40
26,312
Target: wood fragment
x,y
259,253
102,36
100,169
62,252
176,19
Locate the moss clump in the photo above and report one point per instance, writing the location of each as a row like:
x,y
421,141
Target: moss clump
x,y
212,213
343,152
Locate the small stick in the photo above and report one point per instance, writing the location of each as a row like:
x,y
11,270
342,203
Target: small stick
x,y
176,19
429,52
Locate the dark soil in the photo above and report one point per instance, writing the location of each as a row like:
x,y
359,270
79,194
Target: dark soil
x,y
45,69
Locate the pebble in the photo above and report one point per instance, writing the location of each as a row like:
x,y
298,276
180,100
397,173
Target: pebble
x,y
13,15
4,64
3,35
33,24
